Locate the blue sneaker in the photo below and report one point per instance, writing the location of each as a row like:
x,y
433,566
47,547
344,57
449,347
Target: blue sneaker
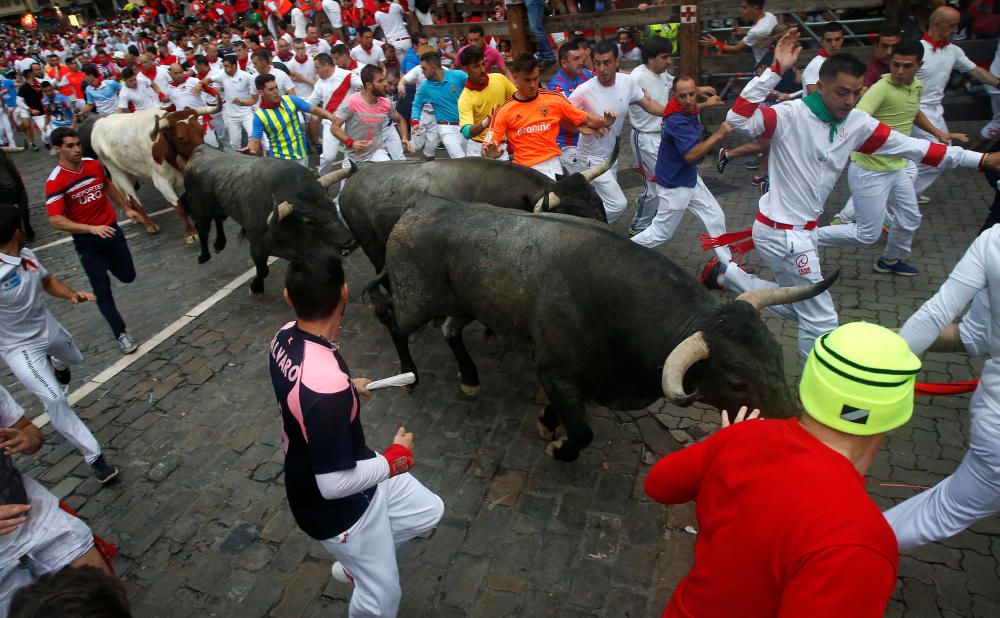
x,y
897,267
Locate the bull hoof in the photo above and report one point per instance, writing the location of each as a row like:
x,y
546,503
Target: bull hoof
x,y
552,450
219,246
471,391
545,432
257,289
204,257
561,451
193,238
152,228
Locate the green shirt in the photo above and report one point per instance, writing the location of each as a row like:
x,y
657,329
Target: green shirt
x,y
894,105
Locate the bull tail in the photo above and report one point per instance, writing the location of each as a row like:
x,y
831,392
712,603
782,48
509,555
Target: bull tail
x,y
377,294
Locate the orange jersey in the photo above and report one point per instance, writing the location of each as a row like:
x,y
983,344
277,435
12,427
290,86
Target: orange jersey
x,y
531,126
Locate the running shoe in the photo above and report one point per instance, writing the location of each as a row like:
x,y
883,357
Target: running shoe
x,y
758,180
754,163
923,199
710,274
127,345
886,225
897,267
103,470
765,186
340,574
34,146
837,220
634,231
63,376
722,161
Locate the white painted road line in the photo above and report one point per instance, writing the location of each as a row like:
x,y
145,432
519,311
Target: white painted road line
x,y
148,345
65,239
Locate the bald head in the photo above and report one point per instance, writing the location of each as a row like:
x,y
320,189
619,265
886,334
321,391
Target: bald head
x,y
943,23
176,72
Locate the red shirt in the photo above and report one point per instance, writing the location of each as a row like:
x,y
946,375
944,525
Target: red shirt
x,y
79,195
785,527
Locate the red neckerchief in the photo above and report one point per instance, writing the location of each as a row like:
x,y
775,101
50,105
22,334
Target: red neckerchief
x,y
369,48
312,42
353,65
935,45
149,73
284,56
674,107
384,7
627,48
471,86
301,60
824,53
203,75
265,105
242,63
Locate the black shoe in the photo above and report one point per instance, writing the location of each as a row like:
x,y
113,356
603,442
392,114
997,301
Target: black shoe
x,y
710,274
63,375
103,470
722,161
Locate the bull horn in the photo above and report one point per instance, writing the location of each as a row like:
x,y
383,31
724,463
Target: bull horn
x,y
687,353
552,201
210,109
592,173
328,180
161,123
767,297
280,211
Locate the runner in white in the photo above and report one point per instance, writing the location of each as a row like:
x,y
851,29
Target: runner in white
x,y
608,91
30,337
972,492
186,93
332,88
137,92
757,37
240,95
392,19
302,70
361,119
811,140
940,59
832,41
261,60
368,51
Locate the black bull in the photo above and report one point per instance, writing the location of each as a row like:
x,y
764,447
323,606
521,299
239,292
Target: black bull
x,y
609,321
12,191
282,208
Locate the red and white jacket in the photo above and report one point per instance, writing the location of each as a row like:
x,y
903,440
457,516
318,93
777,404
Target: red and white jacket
x,y
805,162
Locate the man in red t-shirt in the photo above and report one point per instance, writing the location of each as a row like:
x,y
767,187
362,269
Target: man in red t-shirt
x,y
785,525
76,196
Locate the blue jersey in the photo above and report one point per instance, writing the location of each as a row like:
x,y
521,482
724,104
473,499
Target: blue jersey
x,y
284,131
104,97
8,92
563,84
681,133
410,60
60,110
443,95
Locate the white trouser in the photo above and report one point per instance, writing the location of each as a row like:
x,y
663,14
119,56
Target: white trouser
x,y
972,492
39,123
331,146
673,203
793,257
570,160
426,137
992,129
6,129
379,154
453,140
402,46
646,146
606,184
28,362
208,131
401,510
871,193
392,142
549,167
926,174
272,26
475,149
235,126
49,540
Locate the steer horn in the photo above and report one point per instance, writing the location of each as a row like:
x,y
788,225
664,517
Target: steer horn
x,y
210,109
687,353
328,180
280,211
767,297
546,203
592,173
162,122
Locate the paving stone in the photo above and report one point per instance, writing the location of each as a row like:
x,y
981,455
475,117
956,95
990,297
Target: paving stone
x,y
496,604
461,584
304,586
506,488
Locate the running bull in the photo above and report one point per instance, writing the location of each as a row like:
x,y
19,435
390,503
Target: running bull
x,y
282,208
13,192
609,321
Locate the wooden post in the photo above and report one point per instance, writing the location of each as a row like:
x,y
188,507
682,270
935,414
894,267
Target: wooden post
x,y
520,33
689,35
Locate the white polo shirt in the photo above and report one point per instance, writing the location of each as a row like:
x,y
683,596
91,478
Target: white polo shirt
x,y
238,86
142,97
936,71
22,302
592,97
658,87
305,69
375,56
183,96
757,37
393,23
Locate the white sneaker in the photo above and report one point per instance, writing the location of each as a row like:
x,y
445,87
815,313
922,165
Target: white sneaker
x,y
340,574
127,345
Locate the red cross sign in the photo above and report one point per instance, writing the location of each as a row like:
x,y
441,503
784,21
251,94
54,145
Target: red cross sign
x,y
689,13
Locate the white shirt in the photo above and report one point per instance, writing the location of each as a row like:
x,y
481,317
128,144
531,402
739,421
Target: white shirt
x,y
658,88
994,69
591,96
24,64
283,80
162,78
393,23
804,162
325,88
183,96
142,97
634,54
810,74
22,303
319,47
936,71
375,56
238,86
306,69
757,37
299,22
332,10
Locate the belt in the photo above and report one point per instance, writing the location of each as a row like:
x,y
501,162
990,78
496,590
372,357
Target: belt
x,y
449,123
402,38
784,226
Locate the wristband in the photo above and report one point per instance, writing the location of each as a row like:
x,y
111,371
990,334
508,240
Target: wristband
x,y
721,46
982,161
349,142
400,459
776,68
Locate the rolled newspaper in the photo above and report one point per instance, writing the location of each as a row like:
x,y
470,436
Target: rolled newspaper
x,y
403,379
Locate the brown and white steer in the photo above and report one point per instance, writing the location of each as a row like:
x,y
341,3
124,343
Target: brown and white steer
x,y
151,143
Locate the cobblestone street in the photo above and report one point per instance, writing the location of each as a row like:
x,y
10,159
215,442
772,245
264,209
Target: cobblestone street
x,y
200,514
